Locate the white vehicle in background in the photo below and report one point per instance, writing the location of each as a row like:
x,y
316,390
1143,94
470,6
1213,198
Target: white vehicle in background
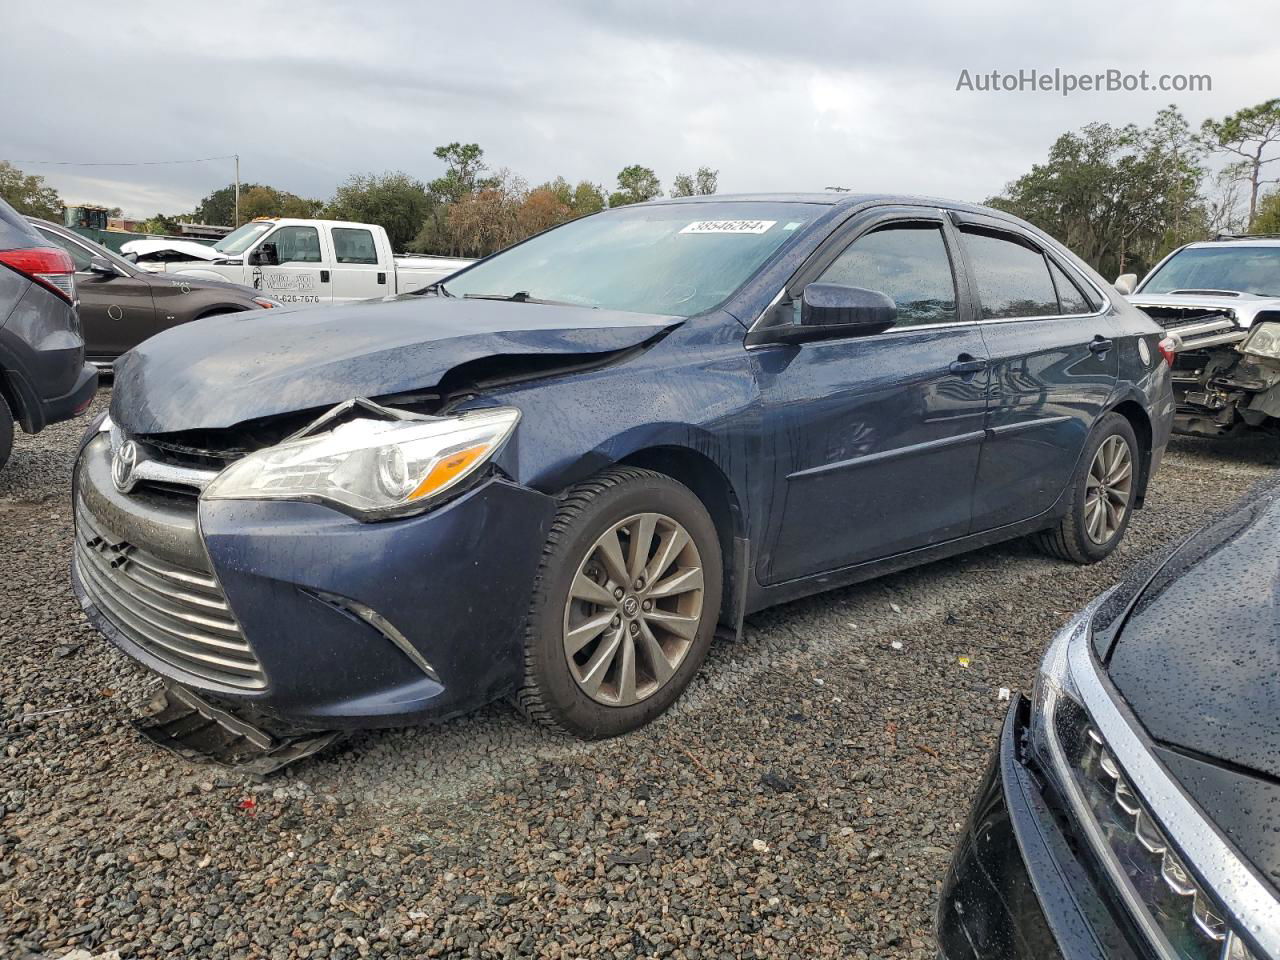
x,y
316,261
1219,301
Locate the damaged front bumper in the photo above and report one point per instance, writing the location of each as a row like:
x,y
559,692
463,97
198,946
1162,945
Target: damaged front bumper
x,y
1220,390
304,615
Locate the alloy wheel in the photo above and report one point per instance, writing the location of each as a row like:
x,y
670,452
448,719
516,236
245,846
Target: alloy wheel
x,y
1108,489
634,609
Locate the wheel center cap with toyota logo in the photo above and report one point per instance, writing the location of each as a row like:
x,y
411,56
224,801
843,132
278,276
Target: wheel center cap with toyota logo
x,y
123,465
630,606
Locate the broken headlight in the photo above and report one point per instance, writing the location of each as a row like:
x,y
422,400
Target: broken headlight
x,y
1263,341
1180,918
371,468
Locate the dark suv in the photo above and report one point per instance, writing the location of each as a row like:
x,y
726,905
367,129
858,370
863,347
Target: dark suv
x,y
43,376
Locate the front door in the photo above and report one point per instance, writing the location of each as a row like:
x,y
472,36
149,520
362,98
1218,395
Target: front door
x,y
300,273
882,433
1053,368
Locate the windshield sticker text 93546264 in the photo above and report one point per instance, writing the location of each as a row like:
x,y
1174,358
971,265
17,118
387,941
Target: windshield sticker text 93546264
x,y
728,226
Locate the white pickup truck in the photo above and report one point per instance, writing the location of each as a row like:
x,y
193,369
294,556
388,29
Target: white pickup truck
x,y
316,261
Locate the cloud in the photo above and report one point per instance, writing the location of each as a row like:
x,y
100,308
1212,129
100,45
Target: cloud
x,y
817,94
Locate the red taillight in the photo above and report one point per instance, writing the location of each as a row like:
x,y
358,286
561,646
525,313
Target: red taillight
x,y
1167,348
48,266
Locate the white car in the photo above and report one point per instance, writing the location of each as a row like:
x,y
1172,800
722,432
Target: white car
x,y
308,261
1219,301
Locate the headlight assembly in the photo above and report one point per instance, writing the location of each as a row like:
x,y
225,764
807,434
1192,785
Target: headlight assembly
x,y
1181,918
1263,341
371,468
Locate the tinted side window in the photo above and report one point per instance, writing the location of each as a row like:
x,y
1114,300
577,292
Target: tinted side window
x,y
1069,295
908,262
79,254
1012,279
296,244
353,246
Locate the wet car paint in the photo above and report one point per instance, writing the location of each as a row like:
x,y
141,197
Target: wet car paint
x,y
811,458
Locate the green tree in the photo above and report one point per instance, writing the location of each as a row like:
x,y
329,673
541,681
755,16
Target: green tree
x,y
159,224
1252,135
1268,214
394,200
1120,197
270,202
588,198
702,183
464,163
28,193
219,207
636,184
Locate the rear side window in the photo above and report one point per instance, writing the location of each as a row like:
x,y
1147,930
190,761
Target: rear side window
x,y
1012,278
296,244
1070,298
908,262
79,254
353,246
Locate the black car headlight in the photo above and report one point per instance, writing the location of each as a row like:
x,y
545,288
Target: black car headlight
x,y
1179,915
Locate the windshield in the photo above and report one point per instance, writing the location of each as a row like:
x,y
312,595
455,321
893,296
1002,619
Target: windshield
x,y
1228,267
242,238
671,259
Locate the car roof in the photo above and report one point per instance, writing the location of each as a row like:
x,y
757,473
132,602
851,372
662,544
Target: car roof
x,y
846,200
1235,242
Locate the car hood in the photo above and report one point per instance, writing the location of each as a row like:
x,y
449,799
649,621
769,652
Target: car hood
x,y
1243,307
224,370
1198,662
197,251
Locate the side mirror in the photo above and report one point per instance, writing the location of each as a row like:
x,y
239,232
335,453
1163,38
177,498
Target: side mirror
x,y
1126,283
264,256
101,265
832,309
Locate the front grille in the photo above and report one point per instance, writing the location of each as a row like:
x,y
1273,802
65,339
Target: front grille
x,y
1171,318
176,614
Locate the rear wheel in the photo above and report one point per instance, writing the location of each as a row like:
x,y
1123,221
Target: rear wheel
x,y
6,431
624,607
1102,494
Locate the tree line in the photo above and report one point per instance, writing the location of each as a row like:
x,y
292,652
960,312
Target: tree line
x,y
1121,197
468,211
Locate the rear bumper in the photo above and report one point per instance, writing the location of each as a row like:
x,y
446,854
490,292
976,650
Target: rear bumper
x,y
71,404
1017,887
327,604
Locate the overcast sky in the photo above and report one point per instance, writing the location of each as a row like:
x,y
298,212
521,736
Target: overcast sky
x,y
825,93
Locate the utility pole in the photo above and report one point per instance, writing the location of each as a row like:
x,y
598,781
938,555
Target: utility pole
x,y
237,217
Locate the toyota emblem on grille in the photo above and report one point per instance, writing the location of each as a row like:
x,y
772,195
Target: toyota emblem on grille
x,y
123,465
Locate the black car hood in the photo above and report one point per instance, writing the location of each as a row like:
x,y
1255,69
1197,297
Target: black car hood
x,y
1198,662
224,370
1198,659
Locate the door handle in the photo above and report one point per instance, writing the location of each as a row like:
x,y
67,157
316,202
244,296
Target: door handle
x,y
1099,344
966,365
324,276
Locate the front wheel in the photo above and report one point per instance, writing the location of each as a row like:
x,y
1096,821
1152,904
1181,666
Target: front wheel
x,y
1102,494
624,605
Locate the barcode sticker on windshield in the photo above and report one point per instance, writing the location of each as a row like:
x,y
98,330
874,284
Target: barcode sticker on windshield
x,y
728,226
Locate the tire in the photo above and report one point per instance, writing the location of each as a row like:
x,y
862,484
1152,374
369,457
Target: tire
x,y
6,431
1075,536
561,688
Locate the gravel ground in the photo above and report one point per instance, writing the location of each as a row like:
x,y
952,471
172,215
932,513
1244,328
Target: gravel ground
x,y
800,801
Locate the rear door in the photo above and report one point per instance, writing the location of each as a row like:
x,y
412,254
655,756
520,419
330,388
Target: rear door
x,y
116,311
1053,368
882,432
303,265
359,273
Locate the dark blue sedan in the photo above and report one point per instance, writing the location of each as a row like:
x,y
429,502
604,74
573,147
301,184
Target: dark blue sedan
x,y
553,475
